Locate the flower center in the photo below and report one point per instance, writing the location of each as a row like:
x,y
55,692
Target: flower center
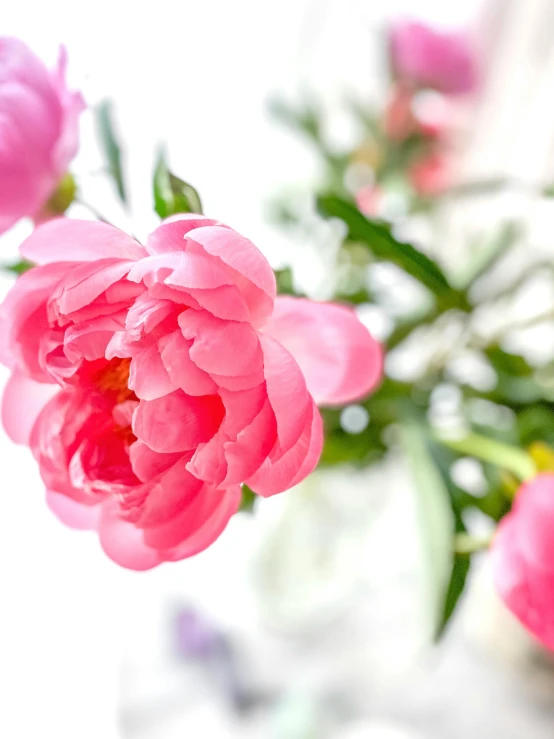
x,y
114,378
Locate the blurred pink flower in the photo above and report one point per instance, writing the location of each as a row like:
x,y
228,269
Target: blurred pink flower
x,y
369,200
407,114
38,130
523,557
430,175
399,121
426,58
150,382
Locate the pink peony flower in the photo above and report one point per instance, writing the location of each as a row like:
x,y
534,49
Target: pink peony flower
x,y
523,557
430,175
399,121
408,113
427,58
38,130
150,382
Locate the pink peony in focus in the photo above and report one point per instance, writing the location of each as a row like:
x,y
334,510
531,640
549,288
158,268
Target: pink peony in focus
x,y
427,58
38,130
150,382
523,557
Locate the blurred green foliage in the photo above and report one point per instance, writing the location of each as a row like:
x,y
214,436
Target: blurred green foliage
x,y
496,421
104,114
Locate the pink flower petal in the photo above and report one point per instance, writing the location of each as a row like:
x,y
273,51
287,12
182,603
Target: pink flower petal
x,y
147,312
521,557
223,302
177,422
89,340
208,461
222,347
256,278
174,491
147,463
38,131
228,502
170,235
241,408
182,270
183,523
83,241
123,542
248,452
425,57
22,403
73,514
286,470
246,437
339,358
86,281
148,376
239,382
287,393
23,316
72,105
175,355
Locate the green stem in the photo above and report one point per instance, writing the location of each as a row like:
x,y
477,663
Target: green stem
x,y
96,213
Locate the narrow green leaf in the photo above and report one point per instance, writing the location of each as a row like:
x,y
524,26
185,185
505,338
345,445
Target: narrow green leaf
x,y
111,146
18,268
458,576
171,194
478,187
306,118
378,237
460,562
436,521
486,255
502,455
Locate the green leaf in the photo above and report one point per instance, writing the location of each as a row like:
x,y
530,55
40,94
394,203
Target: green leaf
x,y
284,281
248,499
171,194
378,237
511,364
477,187
485,255
458,578
62,197
111,146
436,524
461,561
495,452
18,268
536,423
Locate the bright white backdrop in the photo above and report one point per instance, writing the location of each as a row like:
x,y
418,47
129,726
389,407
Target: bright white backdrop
x,y
197,75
